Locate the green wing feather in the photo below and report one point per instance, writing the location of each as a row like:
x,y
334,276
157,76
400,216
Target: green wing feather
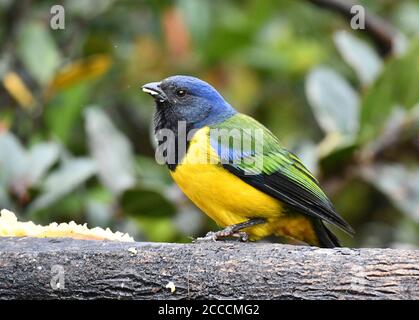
x,y
271,168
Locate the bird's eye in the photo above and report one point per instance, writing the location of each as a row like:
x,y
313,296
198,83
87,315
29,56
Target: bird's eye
x,y
180,93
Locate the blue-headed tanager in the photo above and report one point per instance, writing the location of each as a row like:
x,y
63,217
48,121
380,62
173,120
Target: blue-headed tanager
x,y
252,189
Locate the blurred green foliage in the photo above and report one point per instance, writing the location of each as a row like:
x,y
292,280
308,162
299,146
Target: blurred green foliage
x,y
75,136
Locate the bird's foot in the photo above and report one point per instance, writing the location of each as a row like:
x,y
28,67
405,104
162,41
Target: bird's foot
x,y
233,231
228,232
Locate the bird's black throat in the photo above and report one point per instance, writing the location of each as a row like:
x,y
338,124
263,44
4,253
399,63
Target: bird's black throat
x,y
165,119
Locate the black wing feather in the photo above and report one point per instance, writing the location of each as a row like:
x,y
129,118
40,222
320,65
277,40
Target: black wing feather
x,y
281,187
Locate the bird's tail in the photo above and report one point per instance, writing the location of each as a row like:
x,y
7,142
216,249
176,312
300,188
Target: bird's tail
x,y
325,237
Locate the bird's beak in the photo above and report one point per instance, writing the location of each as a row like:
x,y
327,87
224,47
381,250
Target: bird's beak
x,y
153,89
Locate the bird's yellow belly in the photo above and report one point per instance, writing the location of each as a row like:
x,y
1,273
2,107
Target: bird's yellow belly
x,y
221,195
228,200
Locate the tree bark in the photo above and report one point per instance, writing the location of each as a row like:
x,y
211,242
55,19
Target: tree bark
x,y
32,268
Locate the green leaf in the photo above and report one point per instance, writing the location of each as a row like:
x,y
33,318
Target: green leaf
x,y
338,157
308,154
407,17
359,55
399,183
41,157
59,183
98,214
100,206
111,150
152,174
278,49
64,111
334,102
88,9
396,86
158,229
5,4
13,160
21,168
4,198
139,201
38,51
65,209
198,24
189,220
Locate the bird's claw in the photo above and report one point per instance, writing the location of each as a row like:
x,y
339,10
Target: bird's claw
x,y
225,233
243,236
210,236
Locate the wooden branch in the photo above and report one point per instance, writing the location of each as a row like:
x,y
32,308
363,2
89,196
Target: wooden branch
x,y
380,31
30,267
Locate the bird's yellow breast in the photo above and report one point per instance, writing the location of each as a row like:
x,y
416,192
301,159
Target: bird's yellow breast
x,y
228,200
220,194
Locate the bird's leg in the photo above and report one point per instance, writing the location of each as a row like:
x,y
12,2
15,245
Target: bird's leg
x,y
233,231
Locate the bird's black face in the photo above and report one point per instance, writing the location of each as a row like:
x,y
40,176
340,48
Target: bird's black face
x,y
168,93
184,98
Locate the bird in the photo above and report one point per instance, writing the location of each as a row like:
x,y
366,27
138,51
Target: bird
x,y
250,185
